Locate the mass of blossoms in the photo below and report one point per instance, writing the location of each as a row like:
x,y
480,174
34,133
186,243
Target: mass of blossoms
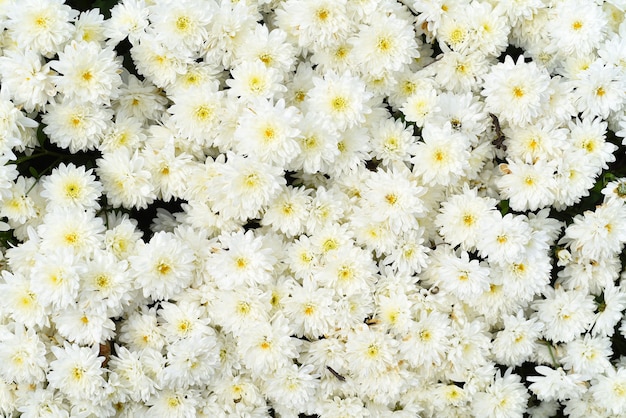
x,y
357,208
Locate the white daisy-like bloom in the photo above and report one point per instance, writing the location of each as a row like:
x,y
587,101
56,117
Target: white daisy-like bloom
x,y
589,135
442,157
575,176
71,186
421,105
542,140
392,141
465,114
16,204
27,77
462,217
129,18
314,23
553,384
173,402
504,238
23,356
340,100
245,186
121,236
139,331
390,196
338,57
608,389
21,303
268,46
409,255
125,180
517,341
55,278
309,309
370,352
76,126
386,44
458,275
131,373
597,234
599,91
454,31
106,282
169,172
90,27
516,91
191,361
181,26
89,73
524,278
76,372
566,314
505,397
528,186
458,72
289,212
139,99
588,355
267,347
254,80
162,267
125,132
86,324
268,132
78,230
293,386
576,27
347,270
241,309
42,26
243,259
156,63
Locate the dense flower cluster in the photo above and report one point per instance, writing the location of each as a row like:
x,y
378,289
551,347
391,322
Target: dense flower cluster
x,y
370,195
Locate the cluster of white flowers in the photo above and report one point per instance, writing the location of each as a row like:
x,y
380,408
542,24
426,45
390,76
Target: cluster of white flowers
x,y
370,223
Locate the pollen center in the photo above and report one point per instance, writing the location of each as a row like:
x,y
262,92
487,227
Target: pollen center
x,y
182,23
577,25
518,92
339,104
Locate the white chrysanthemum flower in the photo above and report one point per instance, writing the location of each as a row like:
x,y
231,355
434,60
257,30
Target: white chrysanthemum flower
x,y
90,27
464,278
589,135
608,389
341,100
42,26
85,323
245,186
125,180
314,23
269,47
254,80
244,259
139,99
386,44
122,236
89,73
125,132
169,170
420,105
528,186
173,402
162,267
392,141
76,126
556,384
241,309
566,314
157,63
23,356
197,113
309,310
516,91
292,386
390,196
73,187
55,278
191,361
442,157
370,352
576,27
181,25
76,372
347,270
27,77
21,303
588,355
289,211
78,230
133,372
600,90
504,238
463,216
268,132
517,341
16,204
505,397
129,18
140,331
597,234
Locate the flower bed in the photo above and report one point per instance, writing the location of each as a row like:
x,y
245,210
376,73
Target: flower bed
x,y
328,208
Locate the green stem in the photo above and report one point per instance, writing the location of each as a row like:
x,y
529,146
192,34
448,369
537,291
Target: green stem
x,y
554,362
